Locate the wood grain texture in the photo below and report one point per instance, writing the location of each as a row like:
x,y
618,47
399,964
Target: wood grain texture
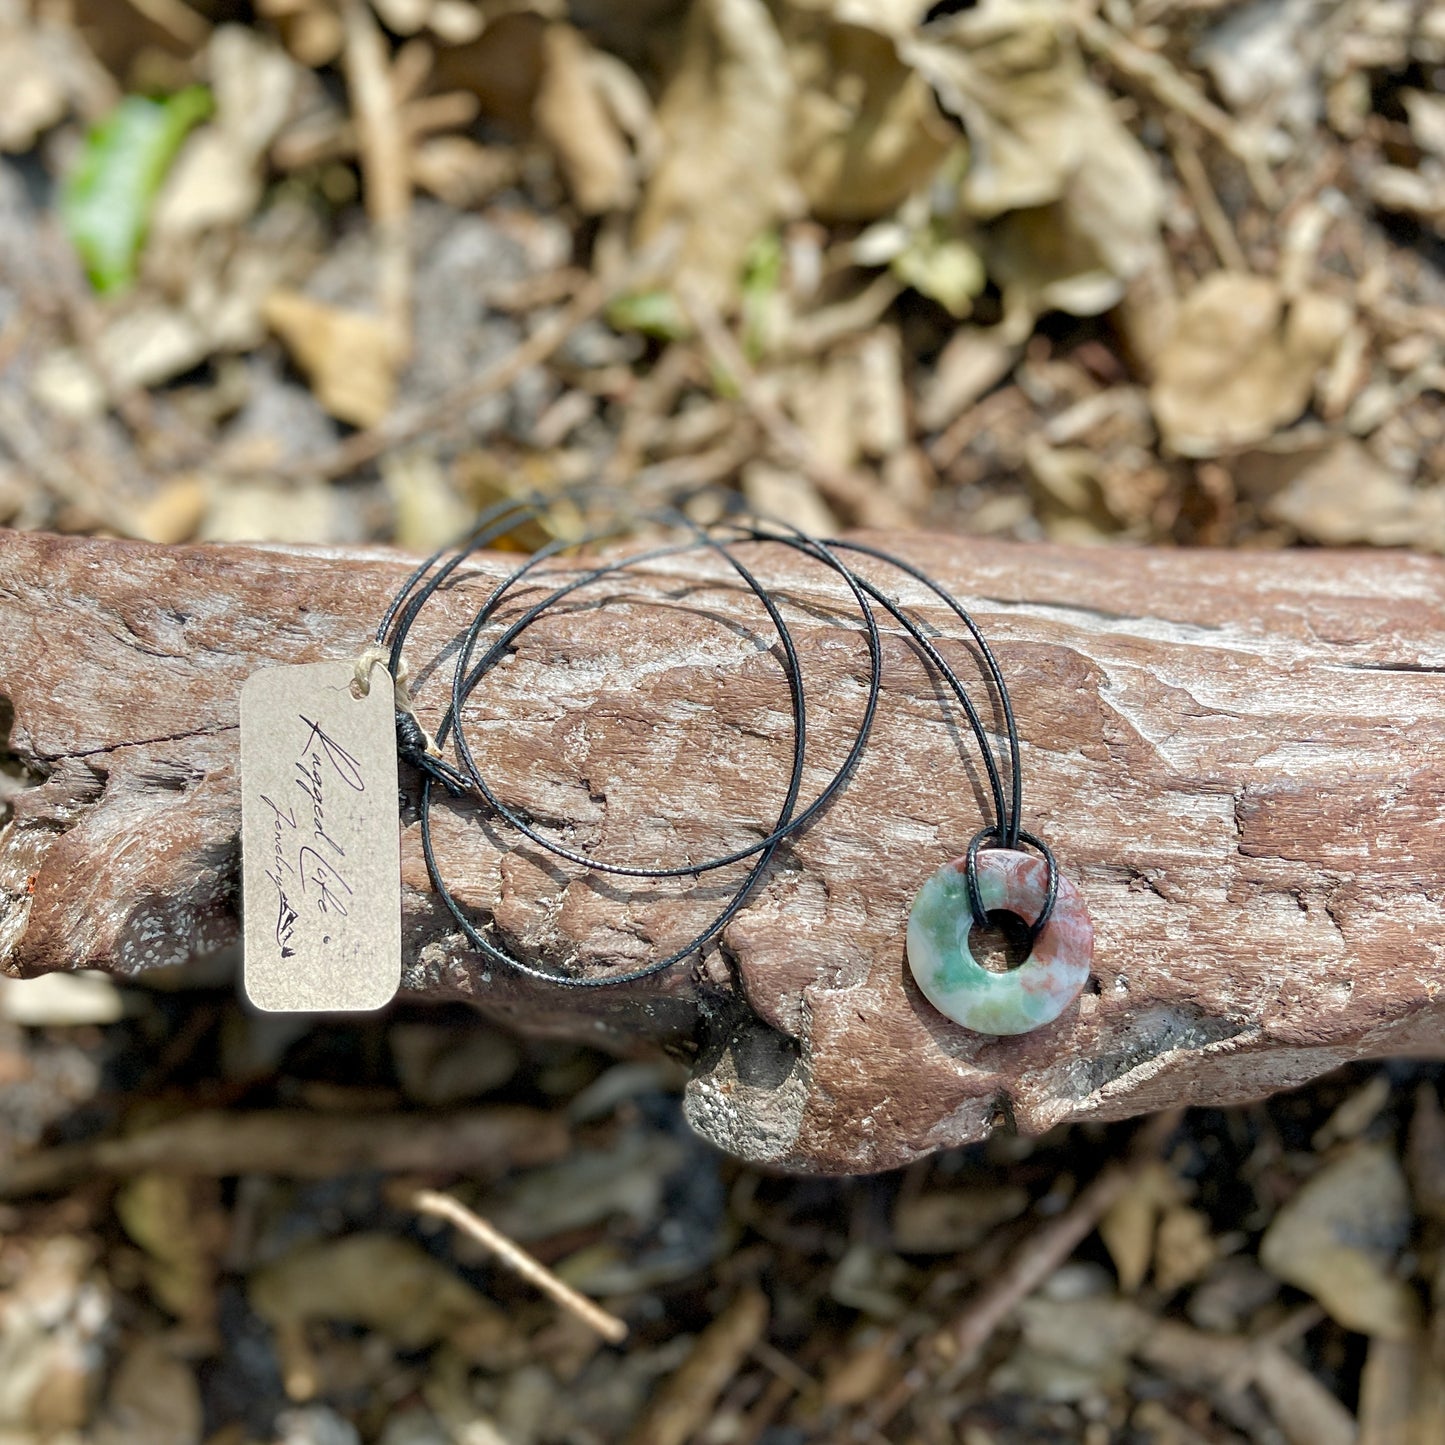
x,y
1238,758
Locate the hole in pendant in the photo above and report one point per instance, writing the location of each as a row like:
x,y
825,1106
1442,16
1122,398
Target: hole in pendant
x,y
1003,945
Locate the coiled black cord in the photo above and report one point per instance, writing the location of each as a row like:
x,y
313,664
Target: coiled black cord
x,y
466,778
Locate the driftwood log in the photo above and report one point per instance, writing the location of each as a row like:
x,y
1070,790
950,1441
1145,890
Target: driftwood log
x,y
1240,759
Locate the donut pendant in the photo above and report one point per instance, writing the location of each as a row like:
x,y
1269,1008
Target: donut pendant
x,y
958,986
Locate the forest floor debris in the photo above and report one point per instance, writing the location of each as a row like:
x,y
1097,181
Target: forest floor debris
x,y
1163,271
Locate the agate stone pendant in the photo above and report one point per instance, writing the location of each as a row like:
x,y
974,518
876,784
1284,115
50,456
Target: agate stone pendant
x,y
958,986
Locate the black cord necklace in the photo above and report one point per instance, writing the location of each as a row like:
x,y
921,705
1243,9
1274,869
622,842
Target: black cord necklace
x,y
994,873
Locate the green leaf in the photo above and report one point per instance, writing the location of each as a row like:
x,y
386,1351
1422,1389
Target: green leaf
x,y
107,199
943,268
653,313
762,284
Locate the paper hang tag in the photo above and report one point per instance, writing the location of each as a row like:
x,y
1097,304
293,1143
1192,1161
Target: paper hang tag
x,y
320,840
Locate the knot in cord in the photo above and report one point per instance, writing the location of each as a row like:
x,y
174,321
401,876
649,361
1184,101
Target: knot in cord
x,y
414,744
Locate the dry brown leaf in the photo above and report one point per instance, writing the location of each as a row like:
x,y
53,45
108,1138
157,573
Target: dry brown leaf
x,y
403,17
773,491
1241,364
895,18
501,66
380,1283
154,1397
64,1000
945,1220
228,284
214,183
724,116
428,511
1427,120
1073,1348
823,399
268,512
217,177
1128,1227
456,22
146,344
862,1372
173,512
1012,76
461,172
47,71
1234,1291
374,1280
1358,1110
1074,198
34,90
310,29
1305,1410
865,132
1425,1153
574,119
1261,62
1417,193
1347,497
171,1218
972,363
437,1066
1338,1237
882,398
1184,1248
1091,493
66,385
349,358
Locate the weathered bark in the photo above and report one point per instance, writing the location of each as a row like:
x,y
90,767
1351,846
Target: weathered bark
x,y
1238,758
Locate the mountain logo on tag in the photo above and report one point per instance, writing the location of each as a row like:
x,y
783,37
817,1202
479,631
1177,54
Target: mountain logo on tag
x,y
285,925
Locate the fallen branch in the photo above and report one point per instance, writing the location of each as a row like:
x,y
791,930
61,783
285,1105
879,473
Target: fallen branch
x,y
296,1145
1236,757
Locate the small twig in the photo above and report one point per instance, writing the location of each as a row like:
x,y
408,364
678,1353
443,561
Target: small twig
x,y
864,499
783,1367
1155,74
443,1206
971,423
1045,1250
55,472
964,1337
401,428
336,140
684,1403
1212,216
383,141
546,288
827,326
653,399
700,469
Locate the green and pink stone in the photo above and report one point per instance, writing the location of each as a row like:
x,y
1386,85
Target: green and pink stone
x,y
958,986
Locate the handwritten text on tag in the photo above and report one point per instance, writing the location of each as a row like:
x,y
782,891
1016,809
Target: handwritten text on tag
x,y
320,851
